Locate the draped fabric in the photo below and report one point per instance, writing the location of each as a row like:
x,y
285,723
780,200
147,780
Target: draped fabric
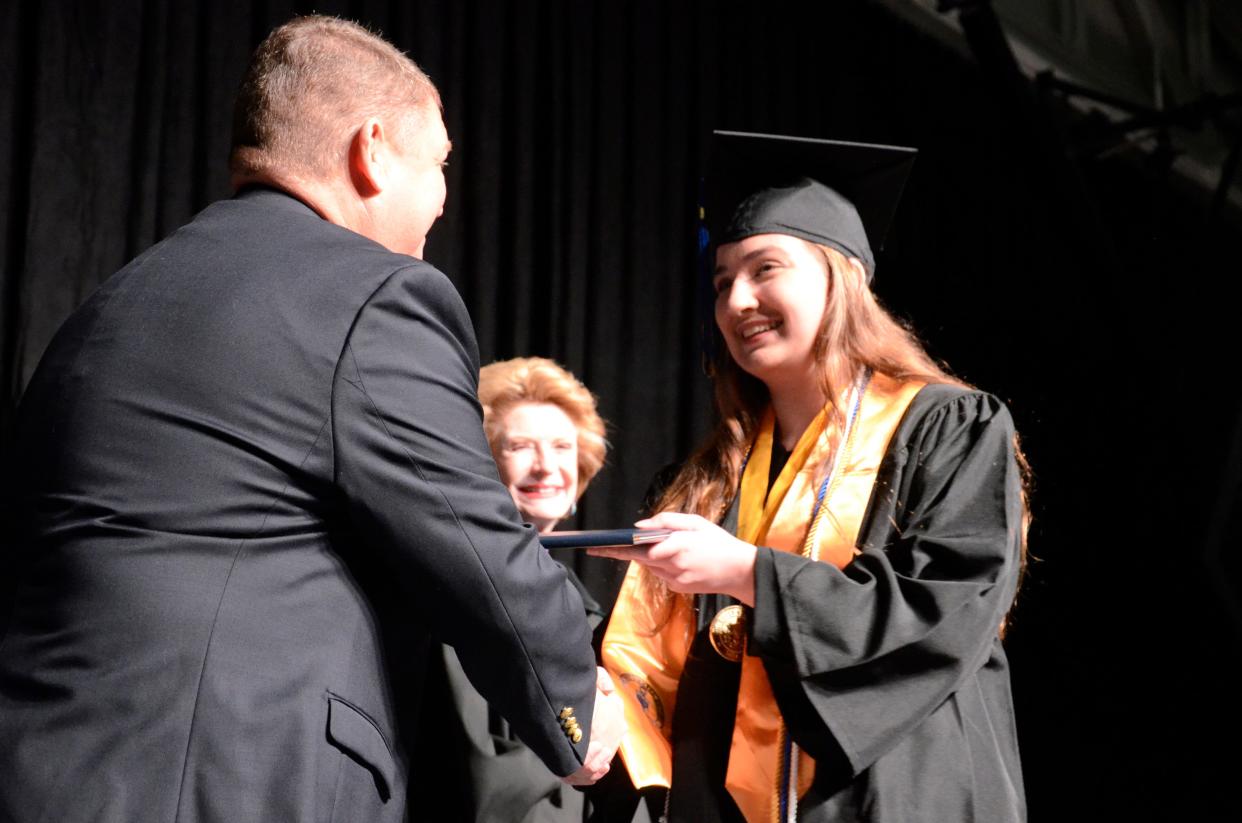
x,y
580,129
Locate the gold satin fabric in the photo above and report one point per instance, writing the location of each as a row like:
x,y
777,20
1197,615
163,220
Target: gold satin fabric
x,y
648,664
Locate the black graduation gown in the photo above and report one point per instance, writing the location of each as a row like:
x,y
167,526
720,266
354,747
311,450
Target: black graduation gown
x,y
889,672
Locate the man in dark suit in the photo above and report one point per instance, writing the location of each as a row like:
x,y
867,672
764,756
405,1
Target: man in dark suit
x,y
252,482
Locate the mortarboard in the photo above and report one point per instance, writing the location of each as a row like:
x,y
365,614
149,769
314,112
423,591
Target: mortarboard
x,y
839,194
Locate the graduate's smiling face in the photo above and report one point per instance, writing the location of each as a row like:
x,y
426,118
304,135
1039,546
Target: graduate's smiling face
x,y
537,454
771,293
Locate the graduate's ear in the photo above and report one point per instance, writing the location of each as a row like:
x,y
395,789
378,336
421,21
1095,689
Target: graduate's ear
x,y
859,269
369,156
855,279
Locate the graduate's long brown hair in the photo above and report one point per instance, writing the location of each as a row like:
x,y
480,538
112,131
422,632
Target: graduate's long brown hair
x,y
856,332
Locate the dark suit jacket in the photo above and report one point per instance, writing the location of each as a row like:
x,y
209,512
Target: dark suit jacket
x,y
251,483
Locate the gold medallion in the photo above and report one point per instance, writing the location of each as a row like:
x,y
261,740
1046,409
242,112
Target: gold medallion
x,y
727,632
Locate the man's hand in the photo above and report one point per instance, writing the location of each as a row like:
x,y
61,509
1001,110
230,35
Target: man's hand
x,y
607,729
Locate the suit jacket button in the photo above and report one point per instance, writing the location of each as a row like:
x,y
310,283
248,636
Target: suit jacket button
x,y
576,736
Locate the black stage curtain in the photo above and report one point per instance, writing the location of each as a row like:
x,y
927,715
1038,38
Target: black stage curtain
x,y
1090,294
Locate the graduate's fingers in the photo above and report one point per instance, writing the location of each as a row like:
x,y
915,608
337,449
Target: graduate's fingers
x,y
619,552
688,547
707,560
678,521
670,549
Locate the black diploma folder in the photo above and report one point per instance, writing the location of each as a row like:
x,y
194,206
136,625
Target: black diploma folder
x,y
603,538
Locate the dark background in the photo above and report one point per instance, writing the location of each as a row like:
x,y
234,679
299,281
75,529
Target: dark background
x,y
1090,293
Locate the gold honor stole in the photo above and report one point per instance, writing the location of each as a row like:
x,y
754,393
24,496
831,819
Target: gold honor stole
x,y
648,665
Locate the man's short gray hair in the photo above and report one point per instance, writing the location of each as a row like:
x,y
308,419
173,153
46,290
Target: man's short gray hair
x,y
310,85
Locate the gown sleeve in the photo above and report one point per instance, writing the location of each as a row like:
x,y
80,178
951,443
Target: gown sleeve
x,y
860,656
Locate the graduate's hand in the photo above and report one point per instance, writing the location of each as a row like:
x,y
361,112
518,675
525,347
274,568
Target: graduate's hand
x,y
607,729
698,557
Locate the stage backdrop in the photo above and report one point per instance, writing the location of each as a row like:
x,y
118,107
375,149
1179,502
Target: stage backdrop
x,y
1090,295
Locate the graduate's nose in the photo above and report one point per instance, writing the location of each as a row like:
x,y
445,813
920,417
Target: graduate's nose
x,y
741,296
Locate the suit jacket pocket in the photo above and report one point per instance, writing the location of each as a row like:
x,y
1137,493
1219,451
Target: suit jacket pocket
x,y
357,735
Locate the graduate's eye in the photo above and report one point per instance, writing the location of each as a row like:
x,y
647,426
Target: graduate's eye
x,y
518,445
563,445
767,267
722,284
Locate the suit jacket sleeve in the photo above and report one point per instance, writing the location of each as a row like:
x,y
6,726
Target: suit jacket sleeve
x,y
859,656
422,490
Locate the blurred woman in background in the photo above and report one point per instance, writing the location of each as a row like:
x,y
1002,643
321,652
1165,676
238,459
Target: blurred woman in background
x,y
548,442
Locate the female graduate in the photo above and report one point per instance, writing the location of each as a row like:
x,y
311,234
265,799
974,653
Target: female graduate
x,y
831,651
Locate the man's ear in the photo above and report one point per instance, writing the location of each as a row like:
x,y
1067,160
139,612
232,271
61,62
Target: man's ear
x,y
368,158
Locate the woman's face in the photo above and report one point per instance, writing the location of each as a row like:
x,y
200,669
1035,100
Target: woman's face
x,y
771,292
537,455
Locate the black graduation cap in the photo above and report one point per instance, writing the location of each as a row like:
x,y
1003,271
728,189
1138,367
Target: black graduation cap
x,y
839,194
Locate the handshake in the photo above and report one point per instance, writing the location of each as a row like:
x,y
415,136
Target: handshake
x,y
607,729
